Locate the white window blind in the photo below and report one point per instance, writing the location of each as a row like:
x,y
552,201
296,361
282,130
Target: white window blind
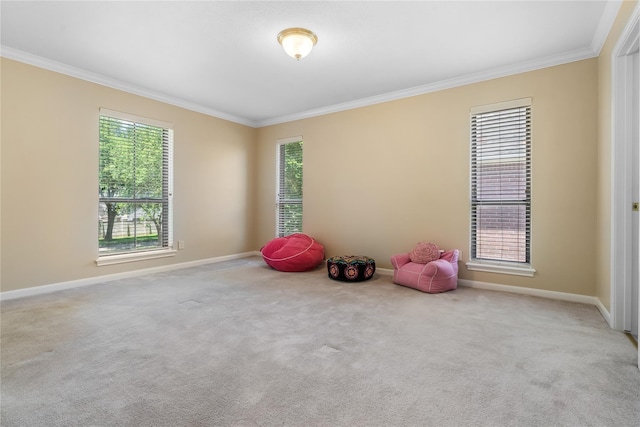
x,y
135,185
289,188
501,184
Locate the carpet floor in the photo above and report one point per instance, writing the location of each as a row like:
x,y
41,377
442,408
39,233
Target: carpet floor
x,y
239,344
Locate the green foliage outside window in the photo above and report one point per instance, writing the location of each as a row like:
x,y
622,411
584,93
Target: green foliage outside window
x,y
290,206
131,190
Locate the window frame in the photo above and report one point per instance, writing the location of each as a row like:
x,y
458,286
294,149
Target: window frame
x,y
167,249
501,266
280,143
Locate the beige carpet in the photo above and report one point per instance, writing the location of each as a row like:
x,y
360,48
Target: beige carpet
x,y
239,344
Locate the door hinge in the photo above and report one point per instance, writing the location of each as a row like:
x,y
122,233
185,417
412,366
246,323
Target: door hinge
x,y
635,206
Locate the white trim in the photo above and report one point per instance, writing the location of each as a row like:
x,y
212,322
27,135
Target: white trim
x,y
514,270
167,147
509,70
135,119
560,296
384,271
620,255
609,15
280,143
541,293
170,189
550,61
603,310
134,256
498,106
45,289
499,266
289,140
604,26
58,67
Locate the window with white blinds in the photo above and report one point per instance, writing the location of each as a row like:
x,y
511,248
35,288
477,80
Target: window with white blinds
x,y
135,184
501,183
289,187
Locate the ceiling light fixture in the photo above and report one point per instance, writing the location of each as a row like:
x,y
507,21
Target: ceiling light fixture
x,y
297,42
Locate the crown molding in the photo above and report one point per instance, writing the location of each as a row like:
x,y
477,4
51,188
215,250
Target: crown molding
x,y
607,19
505,71
58,67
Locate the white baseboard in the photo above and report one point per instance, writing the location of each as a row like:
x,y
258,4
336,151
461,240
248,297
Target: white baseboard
x,y
561,296
604,312
45,289
384,271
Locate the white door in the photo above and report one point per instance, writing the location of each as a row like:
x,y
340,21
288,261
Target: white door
x,y
625,254
635,188
635,191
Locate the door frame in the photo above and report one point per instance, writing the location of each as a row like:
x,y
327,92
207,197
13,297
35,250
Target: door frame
x,y
621,167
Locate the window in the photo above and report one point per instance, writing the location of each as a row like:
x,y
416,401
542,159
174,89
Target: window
x,y
501,188
289,187
135,185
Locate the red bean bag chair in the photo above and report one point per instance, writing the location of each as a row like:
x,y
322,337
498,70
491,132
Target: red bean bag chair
x,y
296,252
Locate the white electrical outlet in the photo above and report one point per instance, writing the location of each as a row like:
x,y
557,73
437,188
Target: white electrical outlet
x,y
180,244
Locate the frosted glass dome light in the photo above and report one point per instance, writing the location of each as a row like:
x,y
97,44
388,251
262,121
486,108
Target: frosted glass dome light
x,y
297,42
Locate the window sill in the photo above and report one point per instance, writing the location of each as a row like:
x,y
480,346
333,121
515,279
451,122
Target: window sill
x,y
134,256
488,267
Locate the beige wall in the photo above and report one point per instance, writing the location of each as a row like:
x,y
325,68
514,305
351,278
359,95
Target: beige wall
x,y
49,178
603,257
379,179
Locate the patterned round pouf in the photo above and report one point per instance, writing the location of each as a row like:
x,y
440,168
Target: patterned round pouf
x,y
351,268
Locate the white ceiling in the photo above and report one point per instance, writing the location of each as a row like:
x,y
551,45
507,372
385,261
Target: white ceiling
x,y
223,59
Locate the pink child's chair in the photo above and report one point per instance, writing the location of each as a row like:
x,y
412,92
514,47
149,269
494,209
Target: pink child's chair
x,y
427,269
